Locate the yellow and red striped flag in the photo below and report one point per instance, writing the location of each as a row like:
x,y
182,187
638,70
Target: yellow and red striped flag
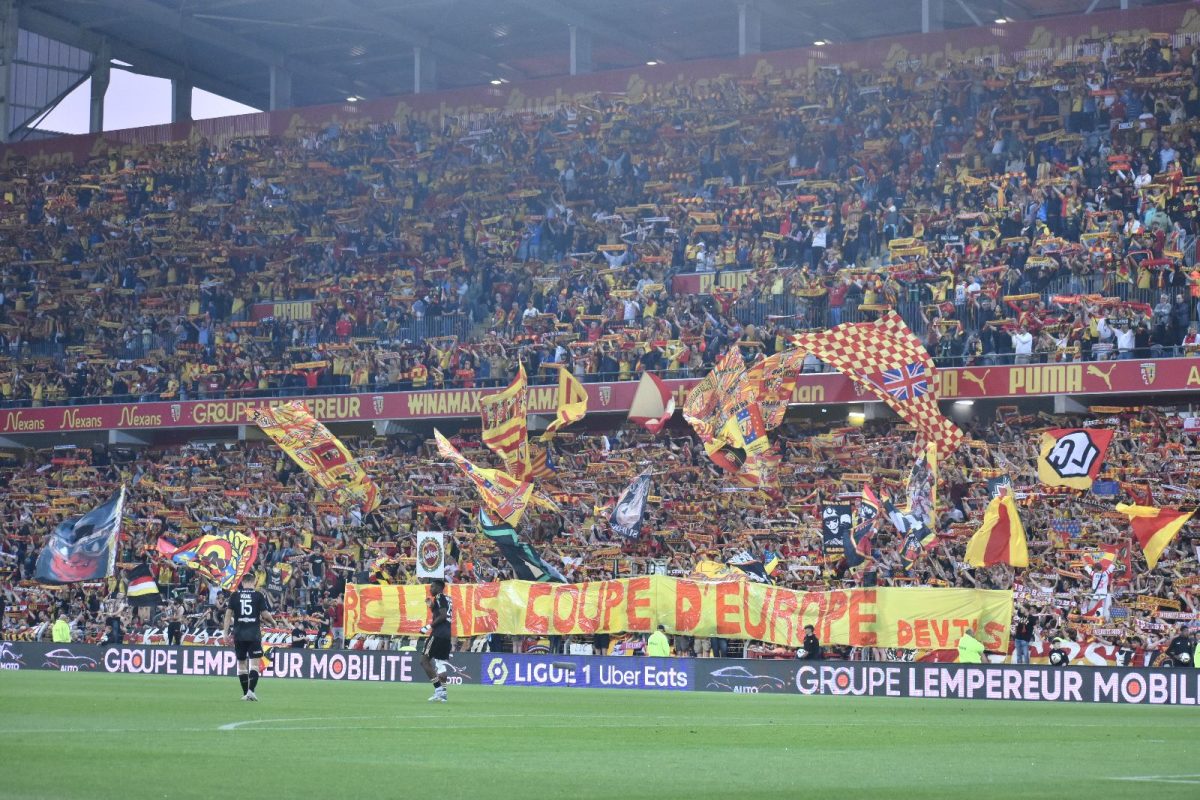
x,y
885,357
540,466
1154,528
571,405
1001,537
505,425
503,494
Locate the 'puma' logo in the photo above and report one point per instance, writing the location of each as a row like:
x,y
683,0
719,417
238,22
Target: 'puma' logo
x,y
1101,374
977,379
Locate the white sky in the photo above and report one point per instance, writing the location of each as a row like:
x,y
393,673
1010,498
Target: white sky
x,y
133,101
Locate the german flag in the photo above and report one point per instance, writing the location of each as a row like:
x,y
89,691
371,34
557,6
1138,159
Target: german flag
x,y
1001,538
1154,528
142,590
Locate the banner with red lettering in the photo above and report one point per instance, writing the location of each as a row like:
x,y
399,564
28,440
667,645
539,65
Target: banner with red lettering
x,y
922,618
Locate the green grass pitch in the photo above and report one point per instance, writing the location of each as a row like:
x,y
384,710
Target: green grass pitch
x,y
126,736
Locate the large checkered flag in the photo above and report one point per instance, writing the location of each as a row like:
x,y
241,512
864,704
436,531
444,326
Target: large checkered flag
x,y
887,358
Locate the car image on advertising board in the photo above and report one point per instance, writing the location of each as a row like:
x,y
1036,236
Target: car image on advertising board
x,y
64,660
743,681
9,657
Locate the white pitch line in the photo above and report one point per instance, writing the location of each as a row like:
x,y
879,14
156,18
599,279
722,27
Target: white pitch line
x,y
232,726
1186,779
639,721
570,721
451,725
36,731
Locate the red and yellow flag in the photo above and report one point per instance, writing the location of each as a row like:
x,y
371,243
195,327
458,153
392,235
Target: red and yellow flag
x,y
223,559
504,495
885,357
539,463
572,402
702,408
1001,537
1154,528
505,425
745,429
653,404
319,453
771,383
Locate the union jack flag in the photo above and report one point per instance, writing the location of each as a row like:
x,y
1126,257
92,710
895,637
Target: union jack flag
x,y
905,381
884,352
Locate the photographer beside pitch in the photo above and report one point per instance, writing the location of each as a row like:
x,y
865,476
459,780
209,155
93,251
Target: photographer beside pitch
x,y
437,644
244,612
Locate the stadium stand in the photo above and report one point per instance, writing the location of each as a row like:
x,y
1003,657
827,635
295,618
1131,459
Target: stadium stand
x,y
326,546
1012,212
992,205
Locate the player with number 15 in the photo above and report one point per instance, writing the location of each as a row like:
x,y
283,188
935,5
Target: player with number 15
x,y
246,610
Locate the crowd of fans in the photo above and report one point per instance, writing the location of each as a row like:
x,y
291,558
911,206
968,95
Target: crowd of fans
x,y
1011,212
697,514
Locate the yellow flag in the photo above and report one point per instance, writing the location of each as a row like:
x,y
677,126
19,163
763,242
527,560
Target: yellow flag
x,y
572,402
319,453
505,427
503,494
1072,456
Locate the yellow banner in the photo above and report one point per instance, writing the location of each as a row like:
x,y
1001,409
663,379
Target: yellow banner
x,y
920,618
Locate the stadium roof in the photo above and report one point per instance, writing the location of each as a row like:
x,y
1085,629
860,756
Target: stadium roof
x,y
333,49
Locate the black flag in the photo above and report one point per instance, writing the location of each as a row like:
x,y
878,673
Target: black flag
x,y
83,548
627,514
835,530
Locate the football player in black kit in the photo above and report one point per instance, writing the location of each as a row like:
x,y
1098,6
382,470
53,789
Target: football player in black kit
x,y
246,610
437,645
